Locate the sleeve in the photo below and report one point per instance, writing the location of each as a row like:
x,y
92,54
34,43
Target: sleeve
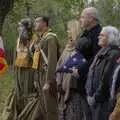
x,y
103,91
60,61
52,59
83,68
116,113
83,44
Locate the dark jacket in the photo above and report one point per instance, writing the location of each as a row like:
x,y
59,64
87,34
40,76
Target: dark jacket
x,y
100,73
91,41
78,83
115,81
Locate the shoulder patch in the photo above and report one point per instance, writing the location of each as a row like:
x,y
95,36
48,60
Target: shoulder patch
x,y
50,34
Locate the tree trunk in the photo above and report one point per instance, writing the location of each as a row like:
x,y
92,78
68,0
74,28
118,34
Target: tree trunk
x,y
5,7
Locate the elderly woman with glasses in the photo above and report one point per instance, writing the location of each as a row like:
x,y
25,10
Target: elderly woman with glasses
x,y
99,81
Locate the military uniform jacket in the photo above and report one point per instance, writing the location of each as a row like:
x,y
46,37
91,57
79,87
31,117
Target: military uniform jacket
x,y
46,74
49,45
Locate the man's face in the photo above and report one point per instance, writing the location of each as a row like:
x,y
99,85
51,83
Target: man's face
x,y
39,25
85,19
21,28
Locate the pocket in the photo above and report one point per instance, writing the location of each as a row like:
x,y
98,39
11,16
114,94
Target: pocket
x,y
23,59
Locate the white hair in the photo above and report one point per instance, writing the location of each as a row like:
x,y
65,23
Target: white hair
x,y
94,12
113,35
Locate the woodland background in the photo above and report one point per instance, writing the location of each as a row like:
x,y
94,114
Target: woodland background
x,y
59,11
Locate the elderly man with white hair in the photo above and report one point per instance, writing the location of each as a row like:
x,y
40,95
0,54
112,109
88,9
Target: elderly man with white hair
x,y
99,82
90,22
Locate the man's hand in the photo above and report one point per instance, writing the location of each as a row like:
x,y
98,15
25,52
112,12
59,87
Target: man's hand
x,y
51,88
91,101
46,87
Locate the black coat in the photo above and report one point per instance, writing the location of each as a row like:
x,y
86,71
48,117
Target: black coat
x,y
101,72
90,42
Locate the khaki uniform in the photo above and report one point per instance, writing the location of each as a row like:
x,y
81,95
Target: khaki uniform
x,y
28,102
46,74
24,83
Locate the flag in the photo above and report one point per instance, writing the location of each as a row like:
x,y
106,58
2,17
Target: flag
x,y
3,63
76,61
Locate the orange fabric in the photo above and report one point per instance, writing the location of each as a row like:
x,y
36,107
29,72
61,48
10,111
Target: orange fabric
x,y
3,66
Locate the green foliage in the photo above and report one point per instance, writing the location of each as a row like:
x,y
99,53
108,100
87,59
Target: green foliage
x,y
6,84
60,12
109,12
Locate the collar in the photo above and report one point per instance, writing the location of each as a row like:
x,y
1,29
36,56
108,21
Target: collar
x,y
93,29
45,33
105,51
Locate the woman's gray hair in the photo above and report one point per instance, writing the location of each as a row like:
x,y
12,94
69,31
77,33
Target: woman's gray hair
x,y
113,35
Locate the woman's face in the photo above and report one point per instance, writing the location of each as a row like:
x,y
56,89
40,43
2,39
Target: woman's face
x,y
103,39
